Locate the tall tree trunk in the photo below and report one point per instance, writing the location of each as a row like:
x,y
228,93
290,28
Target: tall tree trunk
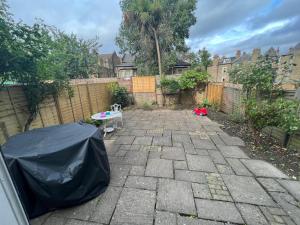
x,y
158,53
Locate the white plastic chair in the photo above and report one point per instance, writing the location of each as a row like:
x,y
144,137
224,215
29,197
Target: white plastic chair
x,y
117,110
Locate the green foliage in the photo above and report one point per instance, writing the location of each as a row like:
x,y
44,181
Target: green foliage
x,y
191,79
205,59
119,95
205,104
169,85
96,123
257,78
146,106
42,59
145,20
280,113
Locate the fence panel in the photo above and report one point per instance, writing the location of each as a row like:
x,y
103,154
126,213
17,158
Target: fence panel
x,y
143,84
232,101
214,93
65,108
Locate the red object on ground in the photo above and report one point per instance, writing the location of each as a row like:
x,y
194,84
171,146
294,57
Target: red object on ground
x,y
200,111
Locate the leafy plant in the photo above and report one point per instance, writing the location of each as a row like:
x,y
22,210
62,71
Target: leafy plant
x,y
119,95
205,104
96,123
42,59
191,79
146,106
170,86
280,113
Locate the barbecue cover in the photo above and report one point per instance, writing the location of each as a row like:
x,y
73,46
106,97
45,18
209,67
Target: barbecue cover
x,y
58,166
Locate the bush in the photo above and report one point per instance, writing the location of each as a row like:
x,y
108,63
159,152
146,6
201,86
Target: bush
x,y
205,104
192,79
170,86
280,113
119,95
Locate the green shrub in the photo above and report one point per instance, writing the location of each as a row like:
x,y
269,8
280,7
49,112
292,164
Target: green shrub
x,y
146,106
170,86
96,123
192,79
205,104
280,113
119,95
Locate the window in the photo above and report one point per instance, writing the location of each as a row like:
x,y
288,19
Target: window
x,y
224,70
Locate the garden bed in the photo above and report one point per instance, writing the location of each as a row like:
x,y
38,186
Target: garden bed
x,y
260,146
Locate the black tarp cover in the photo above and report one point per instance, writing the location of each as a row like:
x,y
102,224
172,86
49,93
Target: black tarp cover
x,y
58,166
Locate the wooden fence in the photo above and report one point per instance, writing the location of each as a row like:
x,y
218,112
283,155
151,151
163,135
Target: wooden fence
x,y
88,98
214,93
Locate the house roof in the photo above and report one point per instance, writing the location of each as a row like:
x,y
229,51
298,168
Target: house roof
x,y
127,58
128,65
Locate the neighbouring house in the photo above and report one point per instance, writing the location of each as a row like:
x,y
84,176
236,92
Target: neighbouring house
x,y
126,68
179,67
108,64
289,77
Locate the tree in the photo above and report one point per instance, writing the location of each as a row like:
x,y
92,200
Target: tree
x,y
153,30
42,59
205,59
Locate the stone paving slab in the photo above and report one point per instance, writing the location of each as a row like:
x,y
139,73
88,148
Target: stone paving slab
x,y
252,214
263,169
232,152
165,163
174,153
165,218
134,206
142,141
180,165
191,176
182,220
201,191
200,163
175,196
293,187
162,141
247,190
147,183
238,167
271,185
203,143
218,210
106,205
159,168
288,203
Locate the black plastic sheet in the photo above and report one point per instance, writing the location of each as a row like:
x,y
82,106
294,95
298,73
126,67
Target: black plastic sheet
x,y
57,167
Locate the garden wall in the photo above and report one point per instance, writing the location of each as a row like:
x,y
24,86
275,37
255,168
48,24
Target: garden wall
x,y
90,96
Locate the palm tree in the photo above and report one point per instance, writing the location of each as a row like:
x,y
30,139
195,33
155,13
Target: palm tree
x,y
147,15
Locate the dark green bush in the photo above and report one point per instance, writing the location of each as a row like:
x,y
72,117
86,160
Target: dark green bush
x,y
280,113
119,95
170,86
192,79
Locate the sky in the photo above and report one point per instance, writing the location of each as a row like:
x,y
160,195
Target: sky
x,y
223,26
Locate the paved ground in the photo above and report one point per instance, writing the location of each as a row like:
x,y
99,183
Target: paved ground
x,y
170,167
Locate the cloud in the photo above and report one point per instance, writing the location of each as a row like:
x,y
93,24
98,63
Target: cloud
x,y
222,26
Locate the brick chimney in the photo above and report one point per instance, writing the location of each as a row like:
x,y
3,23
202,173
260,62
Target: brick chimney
x,y
255,54
238,54
216,60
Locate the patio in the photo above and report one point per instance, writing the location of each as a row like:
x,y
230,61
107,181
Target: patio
x,y
171,167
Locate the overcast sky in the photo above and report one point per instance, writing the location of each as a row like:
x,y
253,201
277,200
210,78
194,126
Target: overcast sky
x,y
223,26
